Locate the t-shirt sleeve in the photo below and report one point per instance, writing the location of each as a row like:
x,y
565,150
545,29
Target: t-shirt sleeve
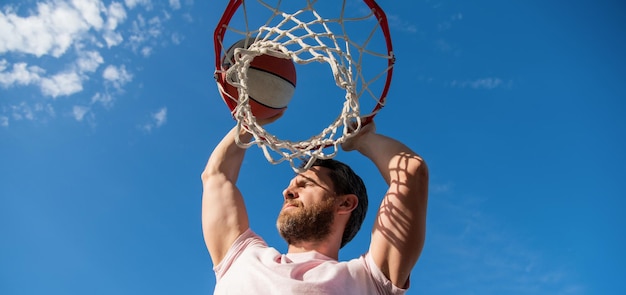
x,y
382,282
243,242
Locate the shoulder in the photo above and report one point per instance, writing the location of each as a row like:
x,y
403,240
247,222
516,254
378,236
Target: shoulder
x,y
247,242
382,283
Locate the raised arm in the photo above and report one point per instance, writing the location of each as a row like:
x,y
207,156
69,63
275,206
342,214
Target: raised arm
x,y
400,225
224,215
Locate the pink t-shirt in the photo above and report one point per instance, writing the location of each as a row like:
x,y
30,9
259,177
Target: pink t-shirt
x,y
251,267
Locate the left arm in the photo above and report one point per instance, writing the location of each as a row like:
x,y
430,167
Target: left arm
x,y
400,226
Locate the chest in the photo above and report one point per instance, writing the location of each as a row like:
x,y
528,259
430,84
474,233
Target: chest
x,y
271,274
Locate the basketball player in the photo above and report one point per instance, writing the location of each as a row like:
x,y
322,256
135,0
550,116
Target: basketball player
x,y
323,209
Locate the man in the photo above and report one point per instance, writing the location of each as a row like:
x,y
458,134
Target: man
x,y
317,208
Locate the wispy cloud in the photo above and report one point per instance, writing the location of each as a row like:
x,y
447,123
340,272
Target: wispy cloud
x,y
439,188
482,83
117,76
20,74
62,84
132,3
448,23
51,31
476,255
79,112
59,45
157,119
175,4
24,111
145,33
398,23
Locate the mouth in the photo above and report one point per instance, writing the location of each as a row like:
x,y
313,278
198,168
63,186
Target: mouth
x,y
290,205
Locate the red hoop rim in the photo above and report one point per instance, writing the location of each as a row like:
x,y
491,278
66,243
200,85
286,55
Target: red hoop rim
x,y
378,12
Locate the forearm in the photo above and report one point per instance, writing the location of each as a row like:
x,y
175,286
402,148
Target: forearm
x,y
394,160
227,157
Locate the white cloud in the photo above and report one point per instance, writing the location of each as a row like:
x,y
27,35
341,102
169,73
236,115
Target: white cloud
x,y
157,119
24,111
175,4
483,83
160,117
89,61
440,188
145,31
79,112
90,11
176,38
61,84
132,3
146,51
56,25
398,23
105,99
487,257
50,31
21,74
116,14
118,76
66,83
155,26
58,46
487,83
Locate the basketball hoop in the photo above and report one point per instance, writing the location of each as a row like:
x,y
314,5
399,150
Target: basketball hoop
x,y
347,39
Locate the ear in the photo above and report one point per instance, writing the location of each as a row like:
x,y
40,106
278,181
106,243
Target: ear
x,y
349,203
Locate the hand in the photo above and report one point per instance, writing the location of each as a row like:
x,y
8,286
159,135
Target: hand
x,y
355,142
246,136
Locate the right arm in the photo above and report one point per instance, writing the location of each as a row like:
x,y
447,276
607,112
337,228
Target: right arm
x,y
224,216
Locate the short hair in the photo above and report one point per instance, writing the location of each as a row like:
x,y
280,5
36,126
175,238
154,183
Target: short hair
x,y
346,181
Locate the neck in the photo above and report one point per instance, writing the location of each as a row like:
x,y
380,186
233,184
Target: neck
x,y
323,247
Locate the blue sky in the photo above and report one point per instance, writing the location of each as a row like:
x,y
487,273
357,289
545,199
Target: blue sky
x,y
108,112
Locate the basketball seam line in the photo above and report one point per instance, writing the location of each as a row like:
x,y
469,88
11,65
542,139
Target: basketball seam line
x,y
274,74
269,107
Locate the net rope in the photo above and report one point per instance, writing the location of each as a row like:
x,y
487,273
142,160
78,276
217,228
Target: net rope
x,y
304,41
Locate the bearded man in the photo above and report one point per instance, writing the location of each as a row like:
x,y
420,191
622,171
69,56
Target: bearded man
x,y
323,210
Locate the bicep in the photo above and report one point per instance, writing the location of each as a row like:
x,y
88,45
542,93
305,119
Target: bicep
x,y
224,216
400,226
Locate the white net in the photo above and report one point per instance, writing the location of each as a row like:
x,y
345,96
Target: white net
x,y
345,38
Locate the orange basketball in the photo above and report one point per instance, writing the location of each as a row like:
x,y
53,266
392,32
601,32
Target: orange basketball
x,y
271,83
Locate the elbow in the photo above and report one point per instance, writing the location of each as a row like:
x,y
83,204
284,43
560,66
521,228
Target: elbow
x,y
418,177
211,171
212,177
413,165
409,172
422,169
205,176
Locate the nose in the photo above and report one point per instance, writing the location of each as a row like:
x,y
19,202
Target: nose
x,y
289,194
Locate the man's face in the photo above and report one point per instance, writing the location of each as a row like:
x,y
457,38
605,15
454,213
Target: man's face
x,y
309,207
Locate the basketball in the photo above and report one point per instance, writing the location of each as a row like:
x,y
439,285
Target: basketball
x,y
271,83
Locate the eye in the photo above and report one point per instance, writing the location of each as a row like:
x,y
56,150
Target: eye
x,y
305,183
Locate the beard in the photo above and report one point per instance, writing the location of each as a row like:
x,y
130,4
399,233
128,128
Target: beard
x,y
306,224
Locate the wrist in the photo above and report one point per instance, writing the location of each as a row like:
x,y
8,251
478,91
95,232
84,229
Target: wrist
x,y
240,135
